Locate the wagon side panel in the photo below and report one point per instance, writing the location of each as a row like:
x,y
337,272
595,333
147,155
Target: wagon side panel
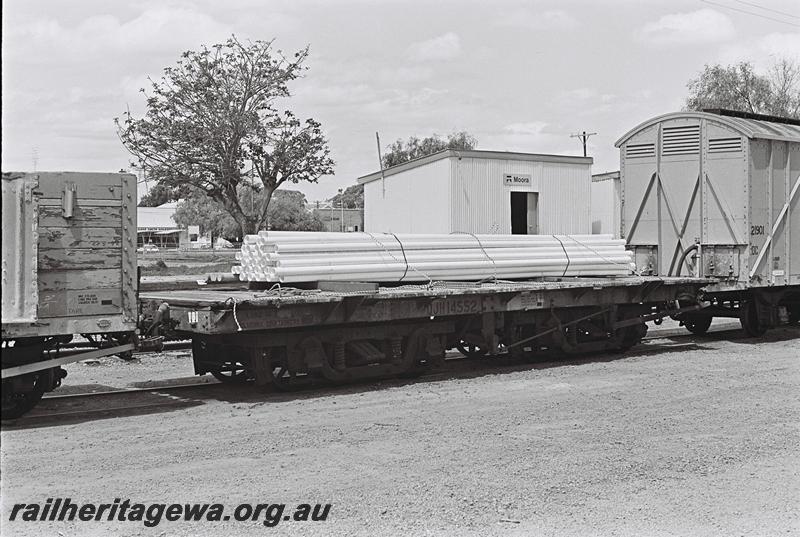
x,y
20,293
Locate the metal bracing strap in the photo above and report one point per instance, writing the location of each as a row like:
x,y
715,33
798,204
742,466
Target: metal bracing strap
x,y
726,211
669,206
641,207
38,366
775,226
678,244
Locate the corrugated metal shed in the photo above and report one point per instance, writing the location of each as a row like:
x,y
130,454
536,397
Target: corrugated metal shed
x,y
481,192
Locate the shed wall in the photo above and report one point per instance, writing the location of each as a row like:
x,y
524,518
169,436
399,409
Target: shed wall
x,y
481,203
606,206
416,201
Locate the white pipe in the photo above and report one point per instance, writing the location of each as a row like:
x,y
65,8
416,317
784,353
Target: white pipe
x,y
416,260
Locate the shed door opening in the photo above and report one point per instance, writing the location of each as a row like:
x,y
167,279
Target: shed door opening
x,y
524,213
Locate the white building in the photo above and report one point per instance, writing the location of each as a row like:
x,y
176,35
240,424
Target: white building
x,y
481,192
157,226
606,203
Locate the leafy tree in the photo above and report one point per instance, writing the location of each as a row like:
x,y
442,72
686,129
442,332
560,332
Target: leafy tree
x,y
159,194
287,212
211,122
739,87
352,197
413,148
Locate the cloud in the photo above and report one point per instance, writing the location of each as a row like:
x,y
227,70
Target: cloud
x,y
533,128
587,101
701,26
556,19
157,29
443,47
781,45
763,51
531,137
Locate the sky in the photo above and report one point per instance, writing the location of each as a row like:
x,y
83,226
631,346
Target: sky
x,y
519,76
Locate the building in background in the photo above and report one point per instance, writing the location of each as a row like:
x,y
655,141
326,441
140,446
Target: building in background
x,y
481,192
339,219
156,226
606,203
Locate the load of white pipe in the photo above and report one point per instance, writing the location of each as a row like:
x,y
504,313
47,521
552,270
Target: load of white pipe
x,y
304,256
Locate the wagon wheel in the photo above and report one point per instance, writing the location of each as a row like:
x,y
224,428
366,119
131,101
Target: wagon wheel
x,y
751,324
231,373
122,339
15,404
471,349
794,314
630,337
697,325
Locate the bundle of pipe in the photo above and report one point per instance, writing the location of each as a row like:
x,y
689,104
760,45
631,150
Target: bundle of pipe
x,y
287,256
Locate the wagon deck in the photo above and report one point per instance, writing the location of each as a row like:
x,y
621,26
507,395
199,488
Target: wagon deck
x,y
280,335
210,311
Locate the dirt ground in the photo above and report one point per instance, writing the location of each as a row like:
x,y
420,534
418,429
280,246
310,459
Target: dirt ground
x,y
685,437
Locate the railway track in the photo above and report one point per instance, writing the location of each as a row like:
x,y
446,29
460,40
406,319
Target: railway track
x,y
59,409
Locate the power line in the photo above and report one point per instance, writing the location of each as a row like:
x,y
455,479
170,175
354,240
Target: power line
x,y
767,9
750,13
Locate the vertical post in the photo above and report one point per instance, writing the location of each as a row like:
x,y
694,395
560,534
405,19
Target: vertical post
x,y
341,206
659,246
787,228
701,176
770,216
380,163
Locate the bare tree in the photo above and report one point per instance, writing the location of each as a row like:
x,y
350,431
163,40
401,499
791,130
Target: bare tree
x,y
739,87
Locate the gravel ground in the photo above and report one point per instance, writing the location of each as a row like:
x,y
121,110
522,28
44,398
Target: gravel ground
x,y
692,438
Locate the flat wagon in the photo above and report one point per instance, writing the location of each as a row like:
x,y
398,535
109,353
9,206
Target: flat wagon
x,y
68,267
346,332
715,194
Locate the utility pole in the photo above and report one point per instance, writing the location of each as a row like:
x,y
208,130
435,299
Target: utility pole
x,y
380,163
583,136
341,206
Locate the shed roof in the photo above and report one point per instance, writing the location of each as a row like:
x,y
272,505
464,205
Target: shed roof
x,y
447,153
156,218
751,128
605,176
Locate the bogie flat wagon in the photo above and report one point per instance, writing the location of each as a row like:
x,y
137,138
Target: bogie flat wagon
x,y
716,194
344,332
68,267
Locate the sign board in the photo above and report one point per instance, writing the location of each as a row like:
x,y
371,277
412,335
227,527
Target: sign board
x,y
193,230
517,179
